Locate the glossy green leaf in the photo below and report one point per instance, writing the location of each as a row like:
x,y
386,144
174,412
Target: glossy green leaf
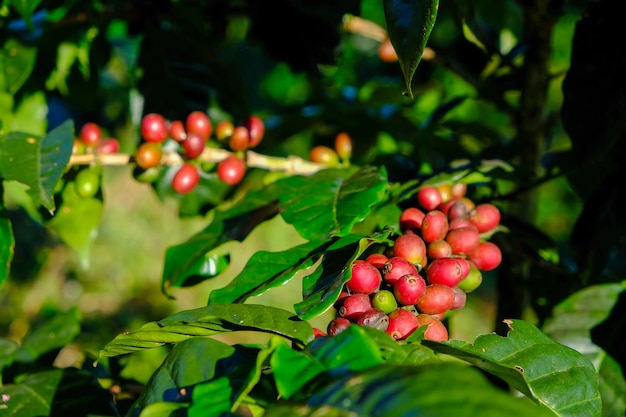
x,y
571,323
293,370
161,409
321,288
17,62
211,398
266,270
550,373
409,24
58,331
7,244
400,352
207,321
442,390
37,162
33,396
331,201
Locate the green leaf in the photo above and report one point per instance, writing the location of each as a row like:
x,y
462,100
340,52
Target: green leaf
x,y
442,390
54,333
37,162
161,409
8,351
33,396
17,62
293,370
25,7
397,352
322,287
571,323
266,270
331,201
207,321
409,24
552,374
211,398
7,244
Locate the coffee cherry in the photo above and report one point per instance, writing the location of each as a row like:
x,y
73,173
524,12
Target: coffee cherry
x,y
377,259
429,197
256,130
384,300
463,240
460,298
402,323
108,146
91,134
386,52
396,267
434,226
154,128
318,333
375,318
199,122
343,145
459,190
485,217
193,145
78,147
408,289
445,189
437,299
338,325
186,179
447,271
457,209
411,218
438,249
354,306
460,222
177,131
324,155
410,247
87,182
473,279
240,139
224,130
436,330
149,155
486,256
231,170
365,278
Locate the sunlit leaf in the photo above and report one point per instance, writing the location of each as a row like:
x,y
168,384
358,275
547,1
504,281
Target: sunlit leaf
x,y
37,162
18,61
552,374
409,23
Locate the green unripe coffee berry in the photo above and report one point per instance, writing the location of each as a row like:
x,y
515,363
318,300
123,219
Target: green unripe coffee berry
x,y
384,300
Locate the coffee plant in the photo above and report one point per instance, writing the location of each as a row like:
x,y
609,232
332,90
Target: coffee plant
x,y
430,193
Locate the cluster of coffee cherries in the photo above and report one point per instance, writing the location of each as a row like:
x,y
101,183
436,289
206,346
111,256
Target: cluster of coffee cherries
x,y
436,259
191,138
333,156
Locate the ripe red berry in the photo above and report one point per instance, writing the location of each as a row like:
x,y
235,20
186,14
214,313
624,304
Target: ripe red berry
x,y
239,140
377,259
324,155
365,278
193,145
445,189
447,271
460,298
410,247
485,217
437,299
374,317
436,330
463,240
460,222
343,145
186,178
429,197
338,325
486,256
199,122
256,130
108,146
224,129
318,332
438,249
154,128
148,155
397,266
408,289
386,52
354,306
402,323
411,219
459,190
177,131
231,170
434,226
91,134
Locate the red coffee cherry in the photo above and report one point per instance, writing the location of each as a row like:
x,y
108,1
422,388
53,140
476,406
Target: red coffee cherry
x,y
459,190
354,306
256,130
408,289
429,197
460,222
460,298
324,155
240,139
338,325
193,145
343,145
463,240
199,122
154,128
224,129
231,170
434,226
438,249
377,259
365,278
485,217
396,267
318,333
148,155
445,190
402,323
447,271
177,131
436,330
486,256
108,146
186,178
411,219
375,318
386,52
437,299
410,247
91,134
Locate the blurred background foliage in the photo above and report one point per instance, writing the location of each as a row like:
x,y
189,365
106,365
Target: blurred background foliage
x,y
490,87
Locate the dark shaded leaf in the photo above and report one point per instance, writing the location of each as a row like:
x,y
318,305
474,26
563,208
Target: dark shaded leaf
x,y
18,63
7,244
